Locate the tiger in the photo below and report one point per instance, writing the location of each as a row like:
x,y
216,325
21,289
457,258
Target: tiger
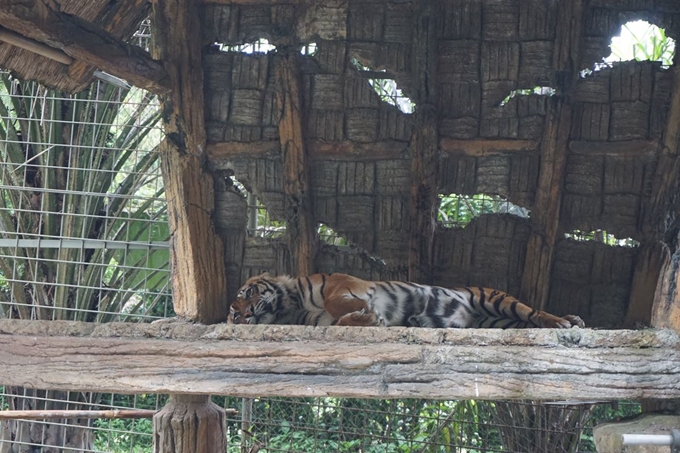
x,y
344,300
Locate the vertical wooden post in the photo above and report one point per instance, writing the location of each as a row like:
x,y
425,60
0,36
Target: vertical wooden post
x,y
189,424
655,298
423,146
198,273
301,227
545,215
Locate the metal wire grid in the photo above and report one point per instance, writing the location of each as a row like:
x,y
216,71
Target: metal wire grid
x,y
117,435
322,425
83,224
414,426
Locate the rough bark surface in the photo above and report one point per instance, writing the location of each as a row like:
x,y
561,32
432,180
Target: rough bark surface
x,y
424,141
84,41
301,231
301,361
198,272
554,148
189,424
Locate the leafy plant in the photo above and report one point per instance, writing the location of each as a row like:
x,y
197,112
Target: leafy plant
x,y
72,171
458,210
640,40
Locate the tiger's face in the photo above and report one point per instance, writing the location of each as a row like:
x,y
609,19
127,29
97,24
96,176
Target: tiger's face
x,y
254,303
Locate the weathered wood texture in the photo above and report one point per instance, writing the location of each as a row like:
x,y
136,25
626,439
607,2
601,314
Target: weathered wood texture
x,y
370,362
583,159
84,41
554,149
198,279
490,251
119,19
593,280
300,223
423,145
189,424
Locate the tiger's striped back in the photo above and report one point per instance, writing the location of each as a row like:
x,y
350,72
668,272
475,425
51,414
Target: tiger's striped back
x,y
327,299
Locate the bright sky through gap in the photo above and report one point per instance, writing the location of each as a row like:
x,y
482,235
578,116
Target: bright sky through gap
x,y
637,41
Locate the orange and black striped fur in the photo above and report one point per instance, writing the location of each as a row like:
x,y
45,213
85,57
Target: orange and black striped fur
x,y
339,299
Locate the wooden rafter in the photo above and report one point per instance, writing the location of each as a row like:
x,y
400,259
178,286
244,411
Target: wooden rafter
x,y
545,216
338,361
118,17
83,41
424,141
300,229
393,149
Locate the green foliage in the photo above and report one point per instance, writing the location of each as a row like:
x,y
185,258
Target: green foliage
x,y
604,413
640,40
123,435
73,169
601,236
458,210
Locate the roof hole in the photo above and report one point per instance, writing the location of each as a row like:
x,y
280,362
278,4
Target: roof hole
x,y
537,90
457,210
601,236
260,223
262,45
638,40
329,236
309,49
386,87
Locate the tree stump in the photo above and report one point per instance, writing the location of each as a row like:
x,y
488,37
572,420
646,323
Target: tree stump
x,y
189,424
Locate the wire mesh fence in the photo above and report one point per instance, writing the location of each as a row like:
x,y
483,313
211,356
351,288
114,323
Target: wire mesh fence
x,y
321,425
83,224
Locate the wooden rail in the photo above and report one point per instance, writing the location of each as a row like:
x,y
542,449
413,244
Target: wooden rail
x,y
254,361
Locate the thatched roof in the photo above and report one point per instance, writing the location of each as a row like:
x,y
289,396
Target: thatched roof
x,y
79,34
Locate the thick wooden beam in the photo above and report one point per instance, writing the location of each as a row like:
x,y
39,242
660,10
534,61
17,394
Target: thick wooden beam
x,y
630,148
120,18
545,214
424,144
300,225
393,149
486,147
37,19
316,150
196,251
300,361
662,306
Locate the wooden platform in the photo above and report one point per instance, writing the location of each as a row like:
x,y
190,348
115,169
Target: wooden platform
x,y
252,361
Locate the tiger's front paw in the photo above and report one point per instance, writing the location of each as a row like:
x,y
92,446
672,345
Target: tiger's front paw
x,y
360,318
574,321
567,322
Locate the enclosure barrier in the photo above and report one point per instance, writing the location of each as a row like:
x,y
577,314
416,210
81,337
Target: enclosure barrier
x,y
672,440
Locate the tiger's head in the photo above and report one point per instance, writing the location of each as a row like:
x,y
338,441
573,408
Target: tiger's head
x,y
255,302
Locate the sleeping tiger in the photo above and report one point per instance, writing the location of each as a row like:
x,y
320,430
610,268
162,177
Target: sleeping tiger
x,y
339,299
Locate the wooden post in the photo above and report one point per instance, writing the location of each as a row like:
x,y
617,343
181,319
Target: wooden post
x,y
301,227
198,273
545,215
189,424
423,146
654,298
